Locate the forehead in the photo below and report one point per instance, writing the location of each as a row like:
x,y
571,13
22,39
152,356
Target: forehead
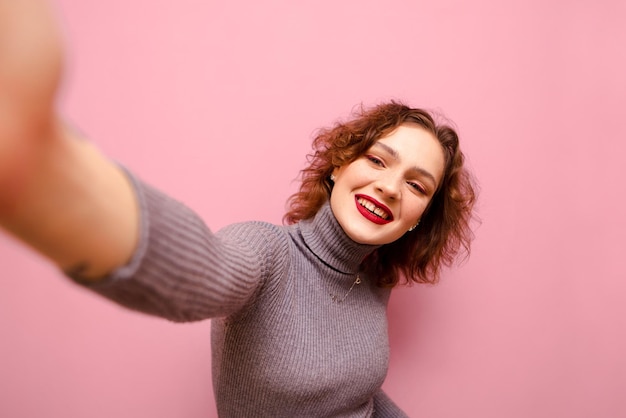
x,y
414,146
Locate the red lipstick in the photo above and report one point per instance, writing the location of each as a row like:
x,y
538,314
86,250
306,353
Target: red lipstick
x,y
369,215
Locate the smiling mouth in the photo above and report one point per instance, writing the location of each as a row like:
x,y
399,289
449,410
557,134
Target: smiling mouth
x,y
373,210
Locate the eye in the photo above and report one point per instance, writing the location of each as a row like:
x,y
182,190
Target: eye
x,y
375,160
418,187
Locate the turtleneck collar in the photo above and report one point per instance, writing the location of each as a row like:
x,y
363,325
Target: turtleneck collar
x,y
327,240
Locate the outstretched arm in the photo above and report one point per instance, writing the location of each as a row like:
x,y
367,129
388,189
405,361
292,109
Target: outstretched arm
x,y
58,194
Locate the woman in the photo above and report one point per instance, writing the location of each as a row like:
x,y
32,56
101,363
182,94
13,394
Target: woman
x,y
299,325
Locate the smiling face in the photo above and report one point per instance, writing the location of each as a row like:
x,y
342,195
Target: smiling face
x,y
380,195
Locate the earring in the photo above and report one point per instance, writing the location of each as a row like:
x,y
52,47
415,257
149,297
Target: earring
x,y
414,226
332,178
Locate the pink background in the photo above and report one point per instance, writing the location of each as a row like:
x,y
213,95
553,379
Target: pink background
x,y
216,102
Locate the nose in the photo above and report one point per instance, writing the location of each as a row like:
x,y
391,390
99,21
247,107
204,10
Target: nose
x,y
389,186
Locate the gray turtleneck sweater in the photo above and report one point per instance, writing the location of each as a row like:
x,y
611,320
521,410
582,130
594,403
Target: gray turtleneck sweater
x,y
289,339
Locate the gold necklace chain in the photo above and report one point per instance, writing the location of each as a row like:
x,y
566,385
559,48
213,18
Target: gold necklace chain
x,y
336,299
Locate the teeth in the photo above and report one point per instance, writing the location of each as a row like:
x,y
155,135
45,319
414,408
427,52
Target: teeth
x,y
373,208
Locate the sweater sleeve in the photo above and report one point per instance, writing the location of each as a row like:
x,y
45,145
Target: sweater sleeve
x,y
384,407
181,271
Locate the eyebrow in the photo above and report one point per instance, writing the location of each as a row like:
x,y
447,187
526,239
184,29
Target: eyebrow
x,y
396,155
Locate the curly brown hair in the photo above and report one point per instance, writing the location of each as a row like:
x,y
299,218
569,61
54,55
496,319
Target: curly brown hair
x,y
444,230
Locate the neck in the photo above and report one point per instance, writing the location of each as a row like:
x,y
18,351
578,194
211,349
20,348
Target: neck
x,y
327,240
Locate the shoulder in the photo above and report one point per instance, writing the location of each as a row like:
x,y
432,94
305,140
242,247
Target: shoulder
x,y
269,242
254,232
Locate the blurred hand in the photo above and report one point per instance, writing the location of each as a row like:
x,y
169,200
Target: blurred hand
x,y
30,58
58,194
30,72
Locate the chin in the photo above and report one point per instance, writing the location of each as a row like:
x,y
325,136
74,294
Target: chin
x,y
369,239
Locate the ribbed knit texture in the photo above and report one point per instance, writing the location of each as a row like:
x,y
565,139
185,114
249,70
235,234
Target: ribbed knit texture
x,y
281,346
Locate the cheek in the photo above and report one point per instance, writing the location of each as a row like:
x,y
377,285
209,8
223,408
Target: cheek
x,y
349,179
416,209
